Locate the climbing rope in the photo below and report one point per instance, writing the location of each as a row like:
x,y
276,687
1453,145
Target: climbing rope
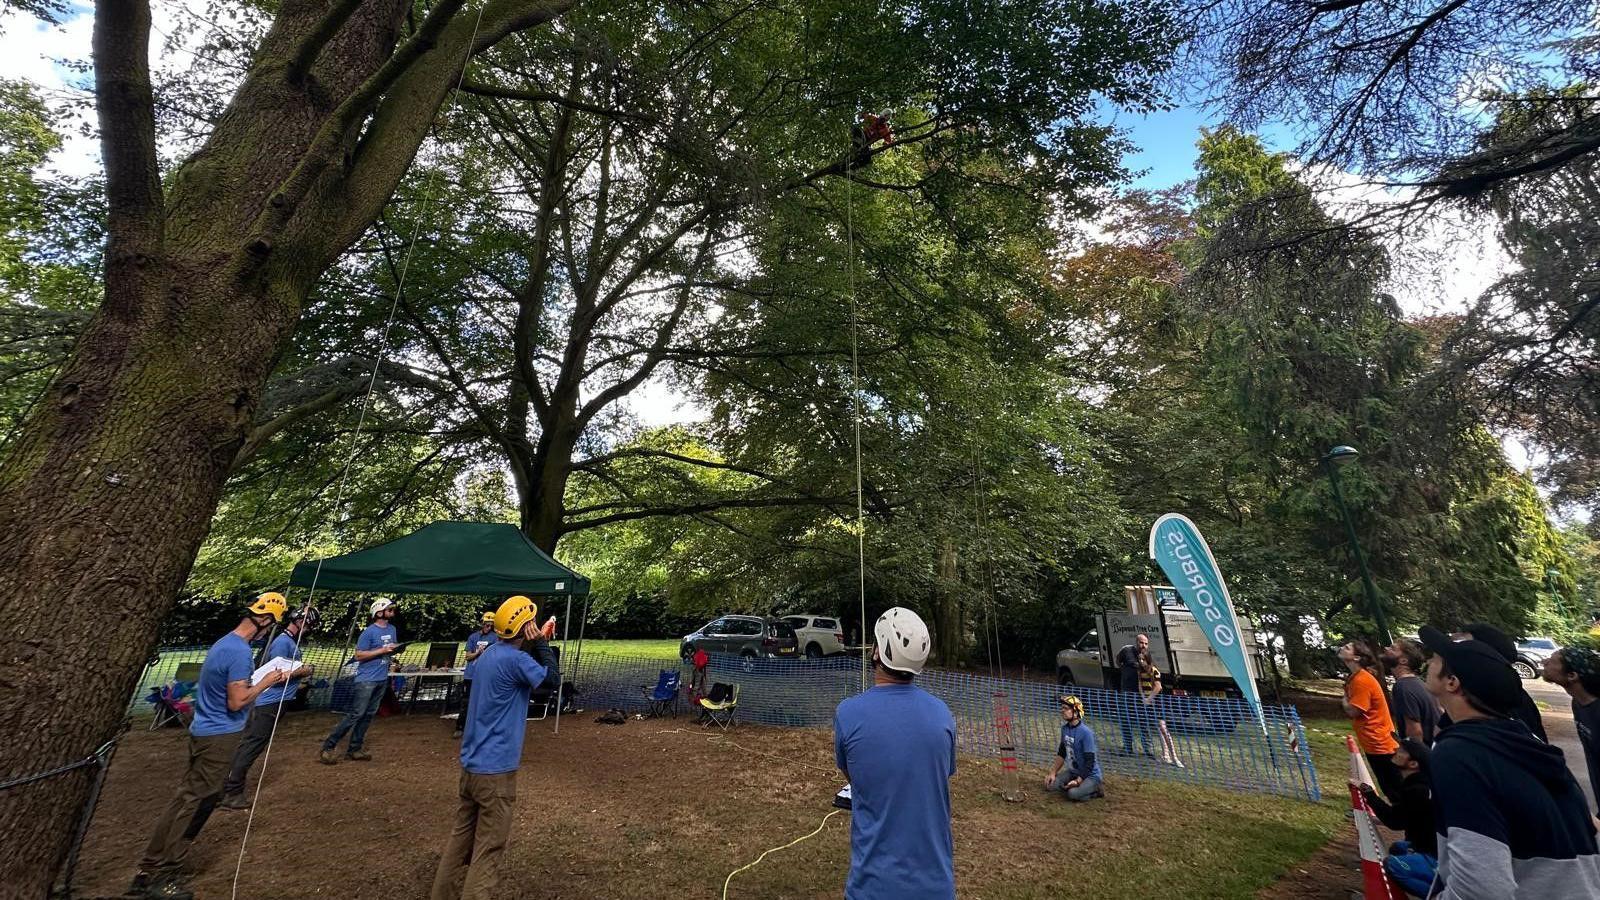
x,y
428,199
764,853
855,395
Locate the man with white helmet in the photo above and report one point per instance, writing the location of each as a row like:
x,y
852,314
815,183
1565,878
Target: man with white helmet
x,y
491,753
377,643
896,744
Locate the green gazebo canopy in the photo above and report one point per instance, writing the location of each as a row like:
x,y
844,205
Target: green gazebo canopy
x,y
446,558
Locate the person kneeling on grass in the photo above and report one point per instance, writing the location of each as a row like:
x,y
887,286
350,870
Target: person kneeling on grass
x,y
1082,780
491,752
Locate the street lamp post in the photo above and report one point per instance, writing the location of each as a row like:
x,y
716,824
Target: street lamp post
x,y
1332,460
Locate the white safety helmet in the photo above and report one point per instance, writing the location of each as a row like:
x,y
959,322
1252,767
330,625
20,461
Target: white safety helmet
x,y
381,604
903,640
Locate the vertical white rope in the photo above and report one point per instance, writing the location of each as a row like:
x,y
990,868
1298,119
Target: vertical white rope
x,y
855,393
355,439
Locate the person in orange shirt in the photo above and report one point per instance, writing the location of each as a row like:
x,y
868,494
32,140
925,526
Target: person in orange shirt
x,y
1368,708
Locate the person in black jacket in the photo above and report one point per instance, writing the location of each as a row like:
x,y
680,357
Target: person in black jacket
x,y
1522,708
1511,820
1411,809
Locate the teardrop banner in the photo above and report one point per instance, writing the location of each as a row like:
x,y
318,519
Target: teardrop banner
x,y
1176,546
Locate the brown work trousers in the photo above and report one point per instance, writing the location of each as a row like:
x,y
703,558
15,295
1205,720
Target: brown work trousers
x,y
482,828
209,760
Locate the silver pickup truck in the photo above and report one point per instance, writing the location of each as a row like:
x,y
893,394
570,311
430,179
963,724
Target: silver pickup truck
x,y
1178,647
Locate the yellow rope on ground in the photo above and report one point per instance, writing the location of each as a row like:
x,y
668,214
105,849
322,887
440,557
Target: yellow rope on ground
x,y
776,849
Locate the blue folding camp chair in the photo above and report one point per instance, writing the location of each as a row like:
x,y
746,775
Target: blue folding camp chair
x,y
664,696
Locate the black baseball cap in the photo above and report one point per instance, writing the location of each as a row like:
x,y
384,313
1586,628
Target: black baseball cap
x,y
1482,671
1495,638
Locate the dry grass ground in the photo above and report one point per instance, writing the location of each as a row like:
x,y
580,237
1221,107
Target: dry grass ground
x,y
664,809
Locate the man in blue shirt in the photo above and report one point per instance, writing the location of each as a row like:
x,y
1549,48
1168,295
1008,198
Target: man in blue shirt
x,y
1083,779
222,699
491,752
263,720
377,643
896,744
477,642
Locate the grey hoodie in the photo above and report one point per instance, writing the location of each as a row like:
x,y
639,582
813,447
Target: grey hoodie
x,y
1513,824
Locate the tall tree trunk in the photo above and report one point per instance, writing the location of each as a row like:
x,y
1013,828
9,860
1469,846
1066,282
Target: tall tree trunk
x,y
110,488
544,507
949,638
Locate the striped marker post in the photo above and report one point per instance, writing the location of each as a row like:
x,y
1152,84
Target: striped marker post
x,y
1375,882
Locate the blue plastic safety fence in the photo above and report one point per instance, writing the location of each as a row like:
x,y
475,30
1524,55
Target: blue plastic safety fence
x,y
1196,740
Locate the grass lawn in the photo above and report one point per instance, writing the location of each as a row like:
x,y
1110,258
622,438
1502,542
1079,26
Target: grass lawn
x,y
655,649
624,812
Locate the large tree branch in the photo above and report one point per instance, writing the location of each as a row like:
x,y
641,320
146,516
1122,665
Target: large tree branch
x,y
309,47
403,114
689,509
134,207
566,101
336,129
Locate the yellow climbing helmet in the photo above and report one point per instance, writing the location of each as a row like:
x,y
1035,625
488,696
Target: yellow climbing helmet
x,y
1073,701
512,615
488,618
270,604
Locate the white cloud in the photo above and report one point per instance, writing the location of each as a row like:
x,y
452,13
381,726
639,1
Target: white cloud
x,y
34,51
1441,260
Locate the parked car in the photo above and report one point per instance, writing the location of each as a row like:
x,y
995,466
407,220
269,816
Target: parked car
x,y
1531,654
819,635
747,636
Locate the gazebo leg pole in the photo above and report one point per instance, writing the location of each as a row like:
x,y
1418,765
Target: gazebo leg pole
x,y
561,675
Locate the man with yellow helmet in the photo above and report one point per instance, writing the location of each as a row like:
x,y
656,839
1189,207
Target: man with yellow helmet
x,y
222,699
477,642
263,720
1082,779
491,752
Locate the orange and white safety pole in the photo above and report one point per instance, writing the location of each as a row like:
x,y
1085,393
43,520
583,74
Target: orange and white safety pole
x,y
1375,882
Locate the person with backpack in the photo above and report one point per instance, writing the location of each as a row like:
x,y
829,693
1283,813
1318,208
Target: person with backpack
x,y
491,753
1511,821
896,745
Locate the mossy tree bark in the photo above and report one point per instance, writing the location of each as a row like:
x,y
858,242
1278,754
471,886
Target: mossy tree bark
x,y
112,482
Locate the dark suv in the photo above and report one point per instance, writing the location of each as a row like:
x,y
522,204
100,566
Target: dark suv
x,y
749,636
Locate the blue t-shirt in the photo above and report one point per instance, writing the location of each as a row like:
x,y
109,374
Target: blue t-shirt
x,y
1077,742
288,648
497,713
373,637
227,661
474,641
897,743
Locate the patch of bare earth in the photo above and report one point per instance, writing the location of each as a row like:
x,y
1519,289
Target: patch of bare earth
x,y
664,808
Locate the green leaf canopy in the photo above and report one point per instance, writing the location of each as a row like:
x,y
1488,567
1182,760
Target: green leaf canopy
x,y
446,558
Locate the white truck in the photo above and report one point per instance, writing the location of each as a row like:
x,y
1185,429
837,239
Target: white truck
x,y
1178,647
